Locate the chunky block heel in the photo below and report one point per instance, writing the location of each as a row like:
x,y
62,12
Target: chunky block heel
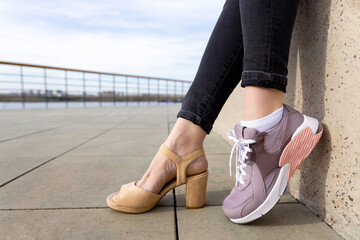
x,y
196,190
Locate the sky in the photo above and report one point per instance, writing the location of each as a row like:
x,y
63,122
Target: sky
x,y
160,38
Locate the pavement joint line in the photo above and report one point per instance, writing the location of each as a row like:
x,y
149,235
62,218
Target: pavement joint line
x,y
133,155
175,216
62,154
219,205
61,208
173,191
138,128
136,155
29,134
80,208
24,173
45,130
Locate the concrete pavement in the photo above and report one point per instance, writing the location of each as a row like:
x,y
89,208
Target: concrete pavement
x,y
58,165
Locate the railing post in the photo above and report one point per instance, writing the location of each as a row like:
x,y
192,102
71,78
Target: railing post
x,y
66,90
182,91
84,90
175,100
126,91
167,91
22,86
138,90
100,95
114,91
148,95
45,87
158,91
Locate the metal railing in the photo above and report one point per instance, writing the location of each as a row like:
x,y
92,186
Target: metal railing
x,y
27,83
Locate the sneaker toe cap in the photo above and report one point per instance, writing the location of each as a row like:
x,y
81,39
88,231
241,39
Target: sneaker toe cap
x,y
234,204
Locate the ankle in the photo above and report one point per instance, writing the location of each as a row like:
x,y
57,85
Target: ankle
x,y
185,137
260,102
182,144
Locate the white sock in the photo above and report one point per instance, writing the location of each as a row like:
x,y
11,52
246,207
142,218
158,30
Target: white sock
x,y
265,123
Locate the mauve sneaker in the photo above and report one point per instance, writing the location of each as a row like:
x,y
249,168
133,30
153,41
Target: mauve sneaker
x,y
265,162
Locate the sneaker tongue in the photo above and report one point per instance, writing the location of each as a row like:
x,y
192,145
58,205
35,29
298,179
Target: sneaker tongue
x,y
242,132
249,133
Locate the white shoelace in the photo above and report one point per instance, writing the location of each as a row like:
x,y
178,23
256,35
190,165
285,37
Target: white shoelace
x,y
242,148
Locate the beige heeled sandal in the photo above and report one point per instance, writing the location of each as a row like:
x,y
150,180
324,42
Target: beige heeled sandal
x,y
134,199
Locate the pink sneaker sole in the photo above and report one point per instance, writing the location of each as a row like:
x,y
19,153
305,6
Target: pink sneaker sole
x,y
298,149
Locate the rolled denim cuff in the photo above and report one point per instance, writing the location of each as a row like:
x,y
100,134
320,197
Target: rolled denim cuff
x,y
264,79
196,119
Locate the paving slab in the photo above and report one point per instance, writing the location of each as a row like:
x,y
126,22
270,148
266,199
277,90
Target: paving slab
x,y
13,132
23,154
284,221
214,144
15,124
87,224
172,113
14,128
66,197
125,141
145,120
75,182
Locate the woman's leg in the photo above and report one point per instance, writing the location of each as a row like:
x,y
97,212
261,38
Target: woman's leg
x,y
267,28
184,138
219,71
251,41
218,74
260,102
270,134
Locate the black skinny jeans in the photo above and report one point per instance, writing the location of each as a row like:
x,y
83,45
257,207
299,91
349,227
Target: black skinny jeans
x,y
251,42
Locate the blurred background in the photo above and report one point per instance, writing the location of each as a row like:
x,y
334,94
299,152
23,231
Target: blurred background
x,y
160,39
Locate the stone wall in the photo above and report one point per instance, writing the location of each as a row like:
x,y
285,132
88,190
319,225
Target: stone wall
x,y
324,82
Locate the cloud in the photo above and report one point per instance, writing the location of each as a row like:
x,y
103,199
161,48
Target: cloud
x,y
143,37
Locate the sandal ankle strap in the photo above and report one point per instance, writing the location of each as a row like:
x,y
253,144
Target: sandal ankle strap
x,y
181,162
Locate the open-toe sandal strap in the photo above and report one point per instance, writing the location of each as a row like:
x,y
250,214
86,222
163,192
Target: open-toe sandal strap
x,y
181,162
